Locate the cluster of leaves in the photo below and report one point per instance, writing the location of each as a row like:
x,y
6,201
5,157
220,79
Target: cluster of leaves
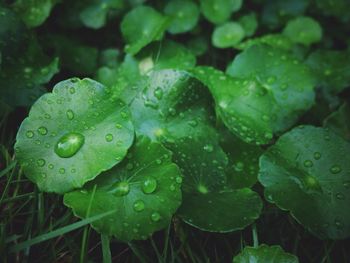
x,y
156,134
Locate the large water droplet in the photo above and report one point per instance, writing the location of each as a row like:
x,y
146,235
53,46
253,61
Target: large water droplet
x,y
335,169
139,206
121,188
69,144
155,216
149,185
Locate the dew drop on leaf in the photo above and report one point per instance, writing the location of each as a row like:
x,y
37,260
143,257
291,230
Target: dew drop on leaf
x,y
208,148
139,206
62,170
42,130
308,163
30,134
335,169
40,162
158,93
317,155
155,217
121,188
70,114
69,144
109,137
178,180
149,185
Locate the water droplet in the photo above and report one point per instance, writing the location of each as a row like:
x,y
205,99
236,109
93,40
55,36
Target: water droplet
x,y
317,155
42,130
71,90
109,137
265,118
346,184
51,166
70,114
62,170
340,196
40,162
208,148
149,185
308,164
69,144
139,206
158,93
118,126
30,134
271,80
158,161
239,166
335,169
172,187
155,217
202,189
178,179
121,188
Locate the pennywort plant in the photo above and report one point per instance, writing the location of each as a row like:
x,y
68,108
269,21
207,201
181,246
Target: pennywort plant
x,y
204,112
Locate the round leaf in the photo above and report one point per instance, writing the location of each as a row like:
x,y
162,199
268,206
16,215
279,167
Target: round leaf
x,y
249,23
72,135
264,254
227,35
303,30
307,173
185,15
219,11
332,68
141,26
144,190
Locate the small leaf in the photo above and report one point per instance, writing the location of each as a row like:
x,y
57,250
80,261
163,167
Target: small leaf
x,y
72,135
141,26
249,23
264,254
219,11
185,15
306,173
332,68
145,190
34,12
227,35
303,30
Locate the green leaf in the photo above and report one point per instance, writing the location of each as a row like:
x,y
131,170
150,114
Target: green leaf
x,y
165,55
332,68
280,75
203,164
227,35
184,13
34,12
278,41
22,78
339,121
95,15
145,190
72,135
141,26
264,254
306,173
12,34
303,30
219,11
243,167
249,23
